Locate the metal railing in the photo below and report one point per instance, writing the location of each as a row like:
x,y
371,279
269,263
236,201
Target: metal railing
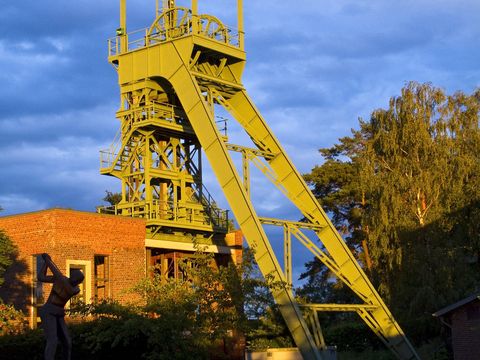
x,y
152,111
206,199
141,38
107,159
168,211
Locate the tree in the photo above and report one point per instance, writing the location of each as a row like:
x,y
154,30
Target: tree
x,y
7,251
113,198
337,187
188,317
407,186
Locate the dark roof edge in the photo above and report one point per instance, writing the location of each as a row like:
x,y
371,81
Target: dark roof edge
x,y
456,305
54,209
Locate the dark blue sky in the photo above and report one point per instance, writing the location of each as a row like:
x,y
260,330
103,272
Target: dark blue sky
x,y
313,68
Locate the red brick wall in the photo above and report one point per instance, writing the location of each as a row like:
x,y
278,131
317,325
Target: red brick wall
x,y
74,235
466,332
235,240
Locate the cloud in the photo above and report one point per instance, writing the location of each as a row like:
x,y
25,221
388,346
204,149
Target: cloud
x,y
93,123
313,68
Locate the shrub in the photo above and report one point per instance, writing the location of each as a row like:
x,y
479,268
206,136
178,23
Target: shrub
x,y
11,320
129,332
351,336
28,345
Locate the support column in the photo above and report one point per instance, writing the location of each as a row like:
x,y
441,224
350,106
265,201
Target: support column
x,y
287,254
123,26
246,172
241,33
195,26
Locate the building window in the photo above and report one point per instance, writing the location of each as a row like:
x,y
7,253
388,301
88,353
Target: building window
x,y
101,273
85,294
38,289
81,297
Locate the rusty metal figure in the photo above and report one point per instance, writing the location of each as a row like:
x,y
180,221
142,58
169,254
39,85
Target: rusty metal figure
x,y
53,312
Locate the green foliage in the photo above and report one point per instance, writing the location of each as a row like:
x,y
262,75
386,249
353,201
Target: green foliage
x,y
189,318
268,331
113,198
131,332
176,319
7,252
351,335
11,320
206,299
406,187
265,327
420,169
185,318
28,345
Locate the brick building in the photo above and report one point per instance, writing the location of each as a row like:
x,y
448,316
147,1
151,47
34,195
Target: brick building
x,y
114,252
462,322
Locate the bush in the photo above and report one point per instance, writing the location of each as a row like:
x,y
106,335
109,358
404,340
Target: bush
x,y
125,334
129,332
199,317
28,345
11,321
352,336
7,253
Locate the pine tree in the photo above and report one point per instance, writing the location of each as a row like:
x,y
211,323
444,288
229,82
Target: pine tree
x,y
406,185
7,250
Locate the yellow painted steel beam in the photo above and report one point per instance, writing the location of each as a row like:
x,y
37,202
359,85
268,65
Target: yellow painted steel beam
x,y
296,224
246,172
256,152
287,254
381,320
240,23
203,122
122,31
318,331
339,307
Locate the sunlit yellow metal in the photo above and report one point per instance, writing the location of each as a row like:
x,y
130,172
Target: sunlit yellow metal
x,y
339,307
170,75
317,330
287,255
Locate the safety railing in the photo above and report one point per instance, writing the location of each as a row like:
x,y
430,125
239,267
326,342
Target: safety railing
x,y
206,199
141,38
107,159
108,156
168,211
223,34
153,111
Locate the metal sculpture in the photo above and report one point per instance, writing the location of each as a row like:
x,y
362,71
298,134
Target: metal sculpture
x,y
53,312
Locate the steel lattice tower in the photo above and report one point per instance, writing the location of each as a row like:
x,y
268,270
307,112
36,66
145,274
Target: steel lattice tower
x,y
171,75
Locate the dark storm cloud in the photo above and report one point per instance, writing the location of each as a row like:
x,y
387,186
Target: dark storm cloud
x,y
311,65
29,20
53,75
58,103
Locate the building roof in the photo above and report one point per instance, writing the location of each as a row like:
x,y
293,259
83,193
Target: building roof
x,y
456,305
64,210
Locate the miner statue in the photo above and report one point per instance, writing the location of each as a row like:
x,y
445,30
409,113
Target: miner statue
x,y
53,312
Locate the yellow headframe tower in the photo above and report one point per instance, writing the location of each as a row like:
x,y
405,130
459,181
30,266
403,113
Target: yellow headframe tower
x,y
171,75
